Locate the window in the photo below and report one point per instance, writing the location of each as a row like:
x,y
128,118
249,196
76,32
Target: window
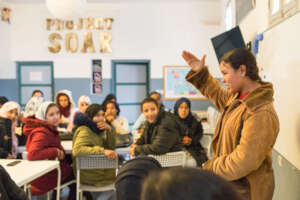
x,y
228,16
281,9
290,7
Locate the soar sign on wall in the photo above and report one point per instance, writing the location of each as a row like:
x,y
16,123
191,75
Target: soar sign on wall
x,y
71,39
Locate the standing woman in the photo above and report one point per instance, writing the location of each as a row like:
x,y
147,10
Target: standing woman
x,y
191,130
43,143
8,120
248,127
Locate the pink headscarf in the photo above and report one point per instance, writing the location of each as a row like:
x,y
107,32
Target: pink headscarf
x,y
8,106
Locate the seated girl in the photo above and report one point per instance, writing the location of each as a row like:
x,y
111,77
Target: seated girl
x,y
191,130
43,143
161,133
83,103
63,99
8,119
112,112
92,136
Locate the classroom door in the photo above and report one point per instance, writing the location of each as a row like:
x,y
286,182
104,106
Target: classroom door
x,y
35,76
130,81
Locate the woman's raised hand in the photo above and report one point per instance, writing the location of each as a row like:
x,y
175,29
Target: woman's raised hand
x,y
194,62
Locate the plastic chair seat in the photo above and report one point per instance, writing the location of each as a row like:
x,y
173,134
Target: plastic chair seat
x,y
171,159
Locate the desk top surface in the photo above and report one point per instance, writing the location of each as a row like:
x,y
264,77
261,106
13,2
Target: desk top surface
x,y
26,171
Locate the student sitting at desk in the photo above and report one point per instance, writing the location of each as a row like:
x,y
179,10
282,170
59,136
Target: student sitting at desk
x,y
161,133
64,100
112,111
83,104
92,136
43,143
191,130
8,119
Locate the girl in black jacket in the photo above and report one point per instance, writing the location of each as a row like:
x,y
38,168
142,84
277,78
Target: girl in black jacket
x,y
191,130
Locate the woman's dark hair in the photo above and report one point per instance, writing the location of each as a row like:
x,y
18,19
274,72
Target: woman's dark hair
x,y
130,177
115,104
109,97
154,92
50,106
187,183
3,100
92,110
241,56
36,91
148,100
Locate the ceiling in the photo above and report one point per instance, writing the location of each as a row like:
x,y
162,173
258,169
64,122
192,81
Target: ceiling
x,y
109,1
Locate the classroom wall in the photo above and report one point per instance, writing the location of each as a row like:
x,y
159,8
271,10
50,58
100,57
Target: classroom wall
x,y
154,31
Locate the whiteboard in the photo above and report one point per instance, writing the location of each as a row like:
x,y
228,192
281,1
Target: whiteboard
x,y
279,56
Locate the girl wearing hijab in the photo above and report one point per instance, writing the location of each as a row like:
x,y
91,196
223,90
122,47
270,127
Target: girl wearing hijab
x,y
63,99
191,130
32,106
93,136
43,143
83,104
8,119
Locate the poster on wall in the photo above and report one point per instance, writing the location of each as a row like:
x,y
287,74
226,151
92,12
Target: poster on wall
x,y
175,86
97,80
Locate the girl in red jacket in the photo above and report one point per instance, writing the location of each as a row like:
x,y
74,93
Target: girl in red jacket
x,y
43,143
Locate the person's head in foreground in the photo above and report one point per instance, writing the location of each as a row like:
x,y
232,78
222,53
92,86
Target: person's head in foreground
x,y
130,177
187,184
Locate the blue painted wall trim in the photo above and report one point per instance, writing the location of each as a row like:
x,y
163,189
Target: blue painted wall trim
x,y
81,86
9,88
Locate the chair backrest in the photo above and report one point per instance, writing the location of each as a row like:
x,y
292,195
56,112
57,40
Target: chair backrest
x,y
95,162
171,159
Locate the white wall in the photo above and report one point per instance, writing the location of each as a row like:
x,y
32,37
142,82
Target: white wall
x,y
279,57
155,31
6,66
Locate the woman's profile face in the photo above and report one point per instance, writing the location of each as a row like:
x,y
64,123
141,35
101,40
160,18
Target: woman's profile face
x,y
183,110
12,114
99,117
231,78
150,111
53,115
63,101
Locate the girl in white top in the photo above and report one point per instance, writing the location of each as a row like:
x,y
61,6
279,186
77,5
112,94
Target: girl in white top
x,y
112,116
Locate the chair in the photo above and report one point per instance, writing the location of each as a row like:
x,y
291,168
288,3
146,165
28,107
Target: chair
x,y
93,162
171,159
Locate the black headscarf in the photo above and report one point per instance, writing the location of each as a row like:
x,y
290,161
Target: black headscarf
x,y
130,177
86,119
189,119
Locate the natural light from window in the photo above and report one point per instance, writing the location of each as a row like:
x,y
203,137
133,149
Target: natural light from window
x,y
228,16
276,4
287,1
